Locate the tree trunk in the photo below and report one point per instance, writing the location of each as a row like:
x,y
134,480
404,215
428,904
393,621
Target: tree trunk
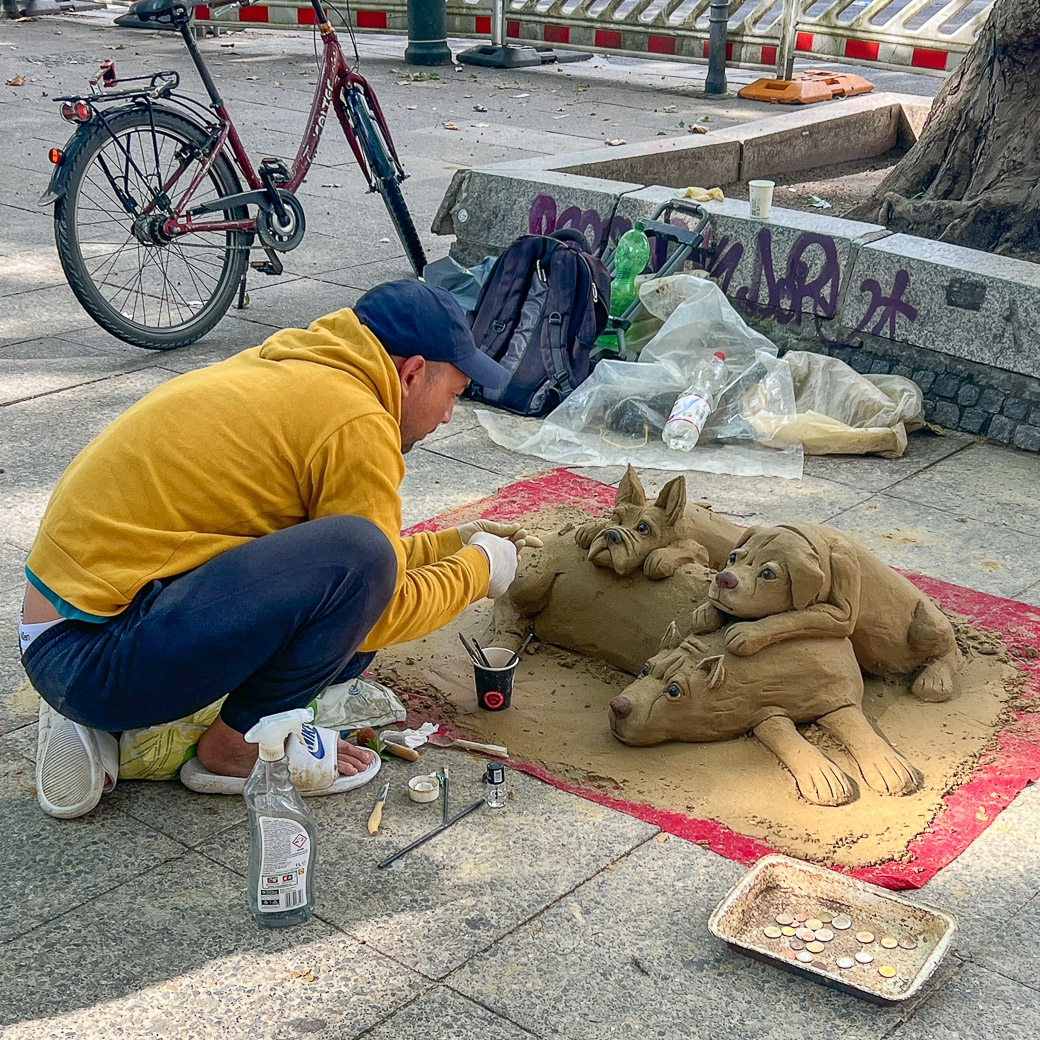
x,y
973,178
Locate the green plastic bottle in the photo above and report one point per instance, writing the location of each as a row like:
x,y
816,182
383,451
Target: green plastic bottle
x,y
631,256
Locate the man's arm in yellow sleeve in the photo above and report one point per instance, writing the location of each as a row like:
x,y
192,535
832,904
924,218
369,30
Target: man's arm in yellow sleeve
x,y
358,471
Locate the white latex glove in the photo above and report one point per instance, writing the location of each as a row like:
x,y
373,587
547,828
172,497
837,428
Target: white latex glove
x,y
502,559
514,532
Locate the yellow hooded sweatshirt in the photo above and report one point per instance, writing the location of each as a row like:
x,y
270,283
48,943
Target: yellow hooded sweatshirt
x,y
306,425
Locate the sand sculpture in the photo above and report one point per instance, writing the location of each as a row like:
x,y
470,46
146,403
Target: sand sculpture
x,y
660,536
806,580
610,587
712,694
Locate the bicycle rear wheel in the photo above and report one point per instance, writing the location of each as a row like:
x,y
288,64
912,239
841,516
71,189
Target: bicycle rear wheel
x,y
377,154
136,282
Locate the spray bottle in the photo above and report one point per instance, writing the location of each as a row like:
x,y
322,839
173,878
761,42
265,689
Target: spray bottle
x,y
282,833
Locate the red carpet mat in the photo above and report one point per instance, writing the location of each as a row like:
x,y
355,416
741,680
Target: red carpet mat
x,y
967,811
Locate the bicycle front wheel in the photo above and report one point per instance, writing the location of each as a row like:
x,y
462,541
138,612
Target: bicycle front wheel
x,y
135,281
377,154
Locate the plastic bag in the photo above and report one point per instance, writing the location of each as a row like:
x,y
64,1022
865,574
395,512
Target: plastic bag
x,y
158,752
617,415
464,283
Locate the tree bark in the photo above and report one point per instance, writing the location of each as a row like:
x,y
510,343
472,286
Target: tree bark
x,y
973,178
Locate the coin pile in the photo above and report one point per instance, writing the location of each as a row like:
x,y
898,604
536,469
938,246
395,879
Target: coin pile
x,y
824,937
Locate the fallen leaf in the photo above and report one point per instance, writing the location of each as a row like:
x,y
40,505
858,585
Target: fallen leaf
x,y
479,108
16,81
615,141
384,240
411,108
697,129
669,108
449,126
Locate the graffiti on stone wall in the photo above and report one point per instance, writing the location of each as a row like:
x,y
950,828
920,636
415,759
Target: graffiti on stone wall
x,y
803,285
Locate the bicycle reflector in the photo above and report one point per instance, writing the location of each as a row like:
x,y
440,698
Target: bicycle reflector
x,y
79,112
56,156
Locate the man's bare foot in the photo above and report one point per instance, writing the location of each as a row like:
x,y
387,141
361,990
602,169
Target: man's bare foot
x,y
225,752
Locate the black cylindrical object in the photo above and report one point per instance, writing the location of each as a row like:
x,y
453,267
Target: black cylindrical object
x,y
718,26
427,33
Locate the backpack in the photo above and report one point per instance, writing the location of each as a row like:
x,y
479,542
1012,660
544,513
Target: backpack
x,y
538,314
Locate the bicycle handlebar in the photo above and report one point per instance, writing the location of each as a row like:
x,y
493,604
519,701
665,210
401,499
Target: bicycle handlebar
x,y
223,3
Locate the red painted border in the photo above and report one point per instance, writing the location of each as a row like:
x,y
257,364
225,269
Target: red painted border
x,y
925,58
1012,765
252,13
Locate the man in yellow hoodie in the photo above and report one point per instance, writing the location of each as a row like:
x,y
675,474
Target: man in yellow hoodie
x,y
238,531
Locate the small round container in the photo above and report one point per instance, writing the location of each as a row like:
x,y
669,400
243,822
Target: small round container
x,y
424,788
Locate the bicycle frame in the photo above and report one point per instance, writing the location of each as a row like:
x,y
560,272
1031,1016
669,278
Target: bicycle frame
x,y
335,80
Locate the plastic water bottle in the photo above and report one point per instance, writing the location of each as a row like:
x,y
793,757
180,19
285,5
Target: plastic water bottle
x,y
283,836
630,258
693,406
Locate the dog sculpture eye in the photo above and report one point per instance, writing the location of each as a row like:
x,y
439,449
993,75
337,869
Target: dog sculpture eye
x,y
768,574
732,557
645,672
673,692
643,528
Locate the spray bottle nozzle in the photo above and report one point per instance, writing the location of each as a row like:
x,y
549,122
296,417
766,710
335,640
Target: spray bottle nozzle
x,y
271,731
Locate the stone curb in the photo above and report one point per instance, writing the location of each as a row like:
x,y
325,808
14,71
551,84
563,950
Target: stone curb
x,y
966,322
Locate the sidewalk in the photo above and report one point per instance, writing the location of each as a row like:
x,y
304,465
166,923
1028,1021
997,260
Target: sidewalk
x,y
554,918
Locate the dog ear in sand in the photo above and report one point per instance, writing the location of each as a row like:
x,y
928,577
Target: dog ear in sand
x,y
712,694
657,537
800,581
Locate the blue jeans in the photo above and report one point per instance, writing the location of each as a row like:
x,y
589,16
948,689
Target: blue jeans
x,y
270,623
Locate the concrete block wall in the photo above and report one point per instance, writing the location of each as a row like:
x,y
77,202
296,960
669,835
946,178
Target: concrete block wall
x,y
963,324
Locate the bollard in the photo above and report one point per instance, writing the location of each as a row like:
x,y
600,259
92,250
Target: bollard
x,y
718,22
427,33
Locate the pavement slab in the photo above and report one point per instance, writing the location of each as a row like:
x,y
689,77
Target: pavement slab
x,y
451,899
442,1012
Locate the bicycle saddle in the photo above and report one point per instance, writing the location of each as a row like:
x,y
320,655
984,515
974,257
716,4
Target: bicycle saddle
x,y
173,11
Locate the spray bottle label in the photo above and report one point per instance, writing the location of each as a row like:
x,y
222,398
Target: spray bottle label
x,y
285,854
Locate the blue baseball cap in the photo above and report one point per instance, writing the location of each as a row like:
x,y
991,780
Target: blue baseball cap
x,y
410,317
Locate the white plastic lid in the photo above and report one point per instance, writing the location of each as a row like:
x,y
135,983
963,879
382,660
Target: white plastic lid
x,y
271,731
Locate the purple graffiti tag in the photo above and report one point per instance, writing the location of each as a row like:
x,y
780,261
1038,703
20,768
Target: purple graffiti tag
x,y
541,218
890,307
582,221
785,298
724,260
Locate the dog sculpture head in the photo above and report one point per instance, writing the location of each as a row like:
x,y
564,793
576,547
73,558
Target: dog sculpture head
x,y
771,570
653,710
636,528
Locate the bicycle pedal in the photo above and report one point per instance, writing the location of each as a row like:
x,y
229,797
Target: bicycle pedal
x,y
266,267
277,170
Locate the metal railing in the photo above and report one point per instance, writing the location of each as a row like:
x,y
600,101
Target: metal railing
x,y
929,36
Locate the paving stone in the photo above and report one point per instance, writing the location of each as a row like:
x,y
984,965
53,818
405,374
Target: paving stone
x,y
946,545
968,394
443,1013
1016,408
1028,438
1001,429
434,483
972,420
629,954
72,861
992,401
452,898
983,482
175,951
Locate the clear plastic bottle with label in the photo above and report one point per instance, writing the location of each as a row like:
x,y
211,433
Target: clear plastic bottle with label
x,y
283,836
693,406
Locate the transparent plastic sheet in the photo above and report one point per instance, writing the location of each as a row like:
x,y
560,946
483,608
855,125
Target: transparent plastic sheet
x,y
616,416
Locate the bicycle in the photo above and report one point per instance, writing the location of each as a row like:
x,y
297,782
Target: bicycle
x,y
151,219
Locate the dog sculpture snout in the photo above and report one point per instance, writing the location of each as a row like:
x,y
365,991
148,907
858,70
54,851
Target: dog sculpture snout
x,y
726,580
612,535
621,706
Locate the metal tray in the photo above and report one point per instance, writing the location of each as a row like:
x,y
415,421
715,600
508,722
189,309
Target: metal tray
x,y
781,885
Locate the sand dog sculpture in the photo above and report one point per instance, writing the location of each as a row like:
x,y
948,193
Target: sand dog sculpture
x,y
609,588
806,580
712,694
660,536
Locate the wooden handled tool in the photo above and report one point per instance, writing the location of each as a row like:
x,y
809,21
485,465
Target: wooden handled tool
x,y
376,816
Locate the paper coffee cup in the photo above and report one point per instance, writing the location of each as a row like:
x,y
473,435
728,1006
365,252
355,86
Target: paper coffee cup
x,y
760,198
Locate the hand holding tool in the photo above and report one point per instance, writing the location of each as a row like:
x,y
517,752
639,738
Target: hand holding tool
x,y
502,560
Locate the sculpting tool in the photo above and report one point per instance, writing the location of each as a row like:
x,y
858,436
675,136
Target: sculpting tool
x,y
472,655
377,810
426,837
480,650
444,777
519,651
442,741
